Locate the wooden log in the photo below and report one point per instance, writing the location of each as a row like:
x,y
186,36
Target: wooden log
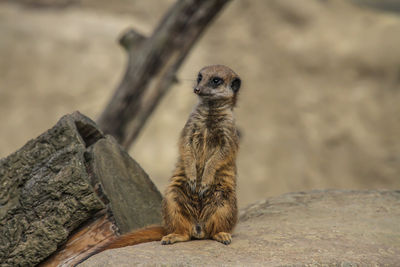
x,y
82,242
57,184
45,193
133,200
153,65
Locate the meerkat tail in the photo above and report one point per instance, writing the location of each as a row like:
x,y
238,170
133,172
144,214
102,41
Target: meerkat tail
x,y
144,235
148,234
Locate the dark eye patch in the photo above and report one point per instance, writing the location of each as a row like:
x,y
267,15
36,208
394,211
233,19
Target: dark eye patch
x,y
199,78
216,81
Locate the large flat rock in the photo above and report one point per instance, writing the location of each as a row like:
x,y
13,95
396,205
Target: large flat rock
x,y
339,228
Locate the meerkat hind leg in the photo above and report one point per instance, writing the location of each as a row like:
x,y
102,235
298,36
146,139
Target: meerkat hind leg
x,y
223,237
173,238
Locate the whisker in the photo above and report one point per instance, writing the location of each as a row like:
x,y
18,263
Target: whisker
x,y
192,82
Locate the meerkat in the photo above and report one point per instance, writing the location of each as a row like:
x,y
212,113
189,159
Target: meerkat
x,y
200,201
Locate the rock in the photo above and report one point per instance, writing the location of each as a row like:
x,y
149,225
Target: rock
x,y
332,228
59,181
134,199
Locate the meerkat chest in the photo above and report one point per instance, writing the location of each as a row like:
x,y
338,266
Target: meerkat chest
x,y
207,138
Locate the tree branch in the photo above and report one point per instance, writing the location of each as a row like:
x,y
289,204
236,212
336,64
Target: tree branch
x,y
153,65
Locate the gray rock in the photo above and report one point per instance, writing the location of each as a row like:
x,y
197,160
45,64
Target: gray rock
x,y
134,199
318,228
60,180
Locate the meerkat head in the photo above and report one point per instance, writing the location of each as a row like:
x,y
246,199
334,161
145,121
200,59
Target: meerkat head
x,y
217,83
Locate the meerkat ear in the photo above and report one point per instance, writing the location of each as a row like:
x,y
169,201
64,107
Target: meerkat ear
x,y
235,85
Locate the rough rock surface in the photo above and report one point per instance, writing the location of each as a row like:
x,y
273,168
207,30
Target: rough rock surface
x,y
59,180
134,199
336,228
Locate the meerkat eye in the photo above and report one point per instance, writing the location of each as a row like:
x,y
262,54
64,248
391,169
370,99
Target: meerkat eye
x,y
199,78
216,81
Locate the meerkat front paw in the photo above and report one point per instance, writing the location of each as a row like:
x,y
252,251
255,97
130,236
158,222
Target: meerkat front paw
x,y
223,237
173,238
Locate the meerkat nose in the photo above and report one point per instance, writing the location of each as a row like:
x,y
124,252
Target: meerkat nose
x,y
196,90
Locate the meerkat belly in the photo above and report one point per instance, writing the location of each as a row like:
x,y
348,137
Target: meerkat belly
x,y
206,144
201,151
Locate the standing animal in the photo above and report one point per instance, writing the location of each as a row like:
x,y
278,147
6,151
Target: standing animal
x,y
200,201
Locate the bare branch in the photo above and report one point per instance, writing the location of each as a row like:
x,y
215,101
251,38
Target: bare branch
x,y
153,66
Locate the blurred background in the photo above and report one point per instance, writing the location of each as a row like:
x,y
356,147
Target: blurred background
x,y
320,102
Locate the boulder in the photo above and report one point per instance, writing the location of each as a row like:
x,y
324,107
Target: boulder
x,y
317,228
134,199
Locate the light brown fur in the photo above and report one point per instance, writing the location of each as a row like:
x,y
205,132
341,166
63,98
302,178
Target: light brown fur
x,y
200,201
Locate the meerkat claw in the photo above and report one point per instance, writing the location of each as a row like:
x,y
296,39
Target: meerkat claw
x,y
163,242
224,238
226,242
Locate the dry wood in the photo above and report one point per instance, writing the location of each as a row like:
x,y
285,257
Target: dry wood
x,y
81,243
153,65
134,202
61,183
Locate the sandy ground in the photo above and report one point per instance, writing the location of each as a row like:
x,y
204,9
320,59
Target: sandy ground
x,y
318,108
